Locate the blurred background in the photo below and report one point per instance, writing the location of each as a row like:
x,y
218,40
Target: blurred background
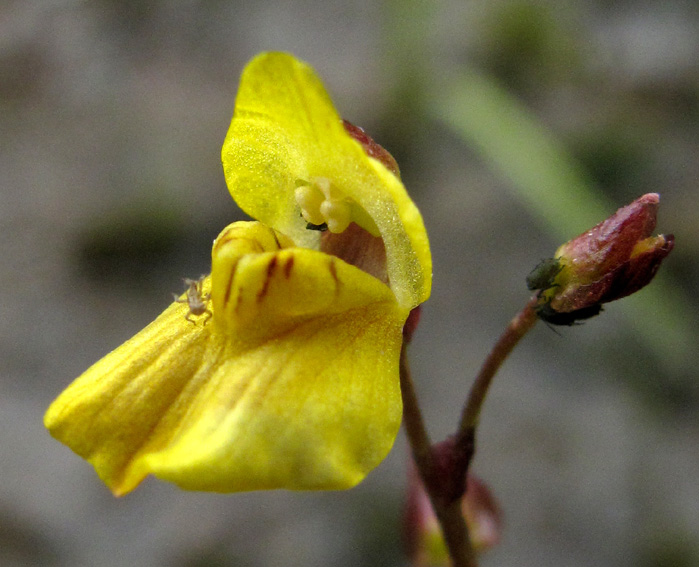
x,y
517,125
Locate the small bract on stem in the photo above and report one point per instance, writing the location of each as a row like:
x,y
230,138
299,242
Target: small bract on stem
x,y
543,276
196,299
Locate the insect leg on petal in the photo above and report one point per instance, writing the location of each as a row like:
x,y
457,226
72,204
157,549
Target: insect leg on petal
x,y
197,301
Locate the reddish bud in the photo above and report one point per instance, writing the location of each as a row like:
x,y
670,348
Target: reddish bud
x,y
611,260
371,147
426,546
482,514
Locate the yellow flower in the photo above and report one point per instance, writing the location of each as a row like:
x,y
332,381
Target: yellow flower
x,y
293,382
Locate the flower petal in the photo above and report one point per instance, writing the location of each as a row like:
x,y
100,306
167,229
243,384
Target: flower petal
x,y
286,132
133,398
293,384
315,409
265,293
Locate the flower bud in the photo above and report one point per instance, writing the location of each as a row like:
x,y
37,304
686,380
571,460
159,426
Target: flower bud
x,y
611,260
371,148
425,543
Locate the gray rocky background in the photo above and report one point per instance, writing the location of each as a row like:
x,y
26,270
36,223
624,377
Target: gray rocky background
x,y
112,115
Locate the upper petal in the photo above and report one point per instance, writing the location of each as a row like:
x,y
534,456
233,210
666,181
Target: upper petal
x,y
286,132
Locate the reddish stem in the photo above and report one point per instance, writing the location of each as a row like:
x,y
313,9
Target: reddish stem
x,y
518,327
448,511
443,467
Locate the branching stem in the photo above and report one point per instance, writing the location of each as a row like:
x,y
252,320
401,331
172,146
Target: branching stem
x,y
448,513
446,493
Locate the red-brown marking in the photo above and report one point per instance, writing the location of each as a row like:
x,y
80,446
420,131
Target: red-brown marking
x,y
333,272
288,267
271,267
229,287
239,300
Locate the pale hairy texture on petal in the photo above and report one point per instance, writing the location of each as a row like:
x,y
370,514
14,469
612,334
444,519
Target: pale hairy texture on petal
x,y
286,132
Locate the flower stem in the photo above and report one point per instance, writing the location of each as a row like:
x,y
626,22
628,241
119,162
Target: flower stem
x,y
447,510
518,327
446,492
